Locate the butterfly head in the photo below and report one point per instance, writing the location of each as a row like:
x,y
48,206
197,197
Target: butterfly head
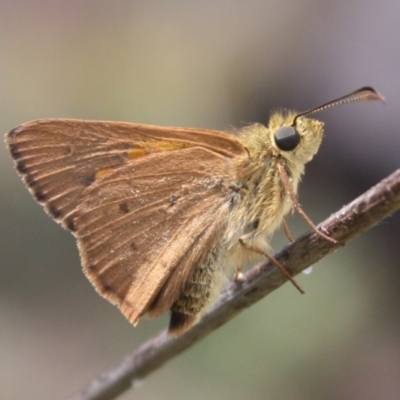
x,y
297,142
297,138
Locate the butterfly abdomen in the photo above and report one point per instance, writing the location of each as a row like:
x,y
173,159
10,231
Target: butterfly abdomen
x,y
197,293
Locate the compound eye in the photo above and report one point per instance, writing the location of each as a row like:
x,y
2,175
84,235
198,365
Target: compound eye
x,y
287,138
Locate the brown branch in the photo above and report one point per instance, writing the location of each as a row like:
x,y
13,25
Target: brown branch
x,y
353,219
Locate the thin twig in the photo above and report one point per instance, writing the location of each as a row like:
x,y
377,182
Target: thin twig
x,y
361,214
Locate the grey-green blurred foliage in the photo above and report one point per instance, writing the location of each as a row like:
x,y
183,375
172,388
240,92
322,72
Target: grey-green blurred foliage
x,y
212,64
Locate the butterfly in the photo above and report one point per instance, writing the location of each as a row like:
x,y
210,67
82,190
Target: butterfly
x,y
161,215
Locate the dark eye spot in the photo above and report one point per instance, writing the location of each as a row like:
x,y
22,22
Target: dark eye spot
x,y
287,138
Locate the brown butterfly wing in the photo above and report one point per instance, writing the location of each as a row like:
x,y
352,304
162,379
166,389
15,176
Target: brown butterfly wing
x,y
154,216
105,173
59,159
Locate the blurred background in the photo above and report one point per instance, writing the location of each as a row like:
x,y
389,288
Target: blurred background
x,y
210,64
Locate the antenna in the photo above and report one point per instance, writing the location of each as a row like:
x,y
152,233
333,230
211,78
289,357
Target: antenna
x,y
365,93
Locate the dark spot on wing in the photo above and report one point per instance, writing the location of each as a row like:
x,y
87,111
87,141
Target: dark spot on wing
x,y
92,268
88,180
133,246
55,211
14,150
21,167
70,224
123,207
30,180
108,288
39,195
37,192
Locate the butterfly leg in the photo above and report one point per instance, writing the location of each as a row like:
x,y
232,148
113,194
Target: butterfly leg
x,y
250,246
287,231
297,207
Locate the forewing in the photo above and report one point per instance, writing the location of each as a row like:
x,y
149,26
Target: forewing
x,y
60,159
152,217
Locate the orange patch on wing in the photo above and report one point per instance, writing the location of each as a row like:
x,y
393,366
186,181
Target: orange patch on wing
x,y
137,152
103,172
